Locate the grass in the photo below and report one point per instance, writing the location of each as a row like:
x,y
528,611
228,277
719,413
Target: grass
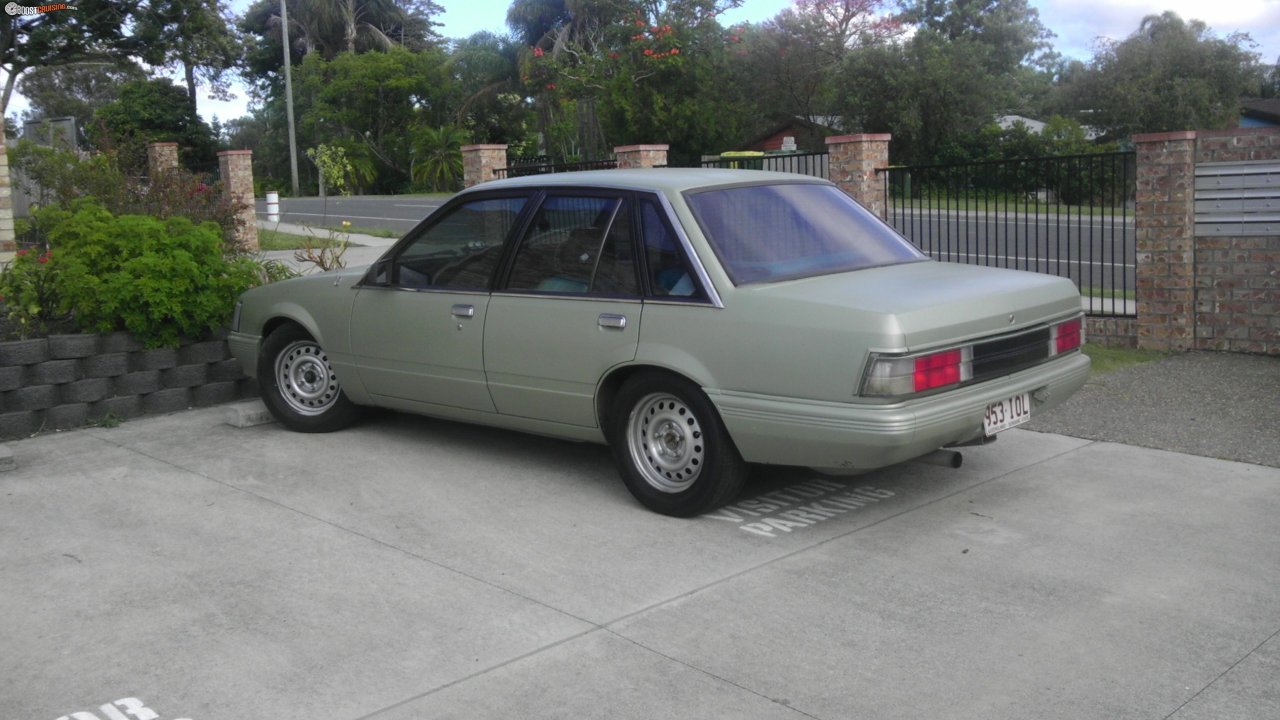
x,y
1110,359
276,240
376,232
999,205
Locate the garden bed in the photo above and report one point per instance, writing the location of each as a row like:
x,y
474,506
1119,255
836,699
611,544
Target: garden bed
x,y
72,380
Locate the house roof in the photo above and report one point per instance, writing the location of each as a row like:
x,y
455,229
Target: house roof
x,y
1261,109
822,124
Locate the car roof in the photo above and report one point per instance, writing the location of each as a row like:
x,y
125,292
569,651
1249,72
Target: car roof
x,y
659,179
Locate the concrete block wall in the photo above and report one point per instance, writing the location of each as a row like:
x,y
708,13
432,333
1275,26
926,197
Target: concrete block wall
x,y
66,381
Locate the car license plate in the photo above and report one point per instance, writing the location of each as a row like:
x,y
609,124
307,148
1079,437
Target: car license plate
x,y
1007,413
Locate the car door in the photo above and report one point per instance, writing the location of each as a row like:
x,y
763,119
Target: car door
x,y
417,325
568,308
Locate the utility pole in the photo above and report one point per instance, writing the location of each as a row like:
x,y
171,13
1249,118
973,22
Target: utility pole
x,y
288,97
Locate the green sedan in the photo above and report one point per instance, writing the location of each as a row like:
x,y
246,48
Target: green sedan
x,y
697,321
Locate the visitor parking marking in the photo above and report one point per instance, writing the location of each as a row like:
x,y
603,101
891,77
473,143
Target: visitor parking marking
x,y
130,708
801,505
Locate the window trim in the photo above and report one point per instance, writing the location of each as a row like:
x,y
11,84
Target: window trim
x,y
687,194
623,197
530,196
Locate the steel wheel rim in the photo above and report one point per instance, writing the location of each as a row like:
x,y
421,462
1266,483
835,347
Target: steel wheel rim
x,y
305,378
666,442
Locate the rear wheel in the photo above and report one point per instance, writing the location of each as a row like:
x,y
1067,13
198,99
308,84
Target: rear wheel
x,y
298,384
671,448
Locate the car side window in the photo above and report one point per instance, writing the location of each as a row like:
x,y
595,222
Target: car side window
x,y
577,245
670,274
460,251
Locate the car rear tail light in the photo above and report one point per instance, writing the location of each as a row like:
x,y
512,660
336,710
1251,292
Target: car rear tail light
x,y
938,370
1066,336
893,376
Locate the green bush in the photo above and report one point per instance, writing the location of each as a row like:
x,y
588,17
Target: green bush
x,y
59,177
29,290
161,280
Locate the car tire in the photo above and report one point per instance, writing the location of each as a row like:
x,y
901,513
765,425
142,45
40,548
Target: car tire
x,y
298,384
671,448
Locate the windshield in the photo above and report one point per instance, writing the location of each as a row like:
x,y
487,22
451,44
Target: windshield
x,y
766,233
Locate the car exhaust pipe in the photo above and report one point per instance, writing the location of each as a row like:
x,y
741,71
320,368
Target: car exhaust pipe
x,y
943,458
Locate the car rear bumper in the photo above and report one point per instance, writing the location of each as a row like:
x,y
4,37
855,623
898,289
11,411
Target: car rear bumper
x,y
851,437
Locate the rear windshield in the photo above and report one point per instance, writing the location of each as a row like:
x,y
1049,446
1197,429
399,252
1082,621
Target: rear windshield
x,y
766,233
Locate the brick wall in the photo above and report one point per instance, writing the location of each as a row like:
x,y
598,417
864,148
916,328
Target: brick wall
x,y
66,381
1237,279
1201,293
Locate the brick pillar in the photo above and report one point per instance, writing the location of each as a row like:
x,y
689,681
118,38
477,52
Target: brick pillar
x,y
854,160
641,156
479,162
236,168
161,157
8,238
1164,230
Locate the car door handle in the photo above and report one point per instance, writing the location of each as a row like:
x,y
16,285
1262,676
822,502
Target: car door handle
x,y
608,320
464,311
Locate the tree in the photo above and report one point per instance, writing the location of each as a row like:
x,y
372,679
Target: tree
x,y
792,62
1170,74
330,27
95,31
485,67
194,35
964,65
630,70
74,90
371,105
152,111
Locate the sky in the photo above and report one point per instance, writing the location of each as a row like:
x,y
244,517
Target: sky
x,y
1076,23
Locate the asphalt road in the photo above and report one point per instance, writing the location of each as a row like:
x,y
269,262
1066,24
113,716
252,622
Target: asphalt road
x,y
397,213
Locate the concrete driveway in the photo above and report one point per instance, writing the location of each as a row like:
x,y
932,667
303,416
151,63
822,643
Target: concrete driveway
x,y
177,567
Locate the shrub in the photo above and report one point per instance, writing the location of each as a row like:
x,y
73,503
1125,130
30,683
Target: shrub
x,y
28,287
160,279
59,177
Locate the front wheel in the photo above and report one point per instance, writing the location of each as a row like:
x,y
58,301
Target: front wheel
x,y
671,448
298,384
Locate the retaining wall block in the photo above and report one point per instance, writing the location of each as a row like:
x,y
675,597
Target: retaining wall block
x,y
117,342
225,370
249,388
67,416
24,352
216,393
127,406
167,400
12,377
73,346
20,424
185,376
33,397
158,359
210,351
138,383
55,372
105,366
87,391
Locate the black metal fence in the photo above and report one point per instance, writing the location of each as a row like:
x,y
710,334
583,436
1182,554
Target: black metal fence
x,y
814,164
1070,216
519,169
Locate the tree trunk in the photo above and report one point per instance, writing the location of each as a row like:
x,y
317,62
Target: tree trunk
x,y
189,70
